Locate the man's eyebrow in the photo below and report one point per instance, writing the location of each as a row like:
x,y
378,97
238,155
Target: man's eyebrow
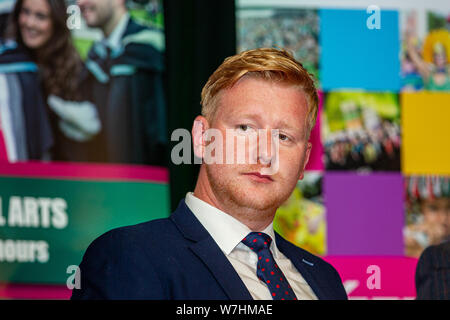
x,y
280,125
252,116
284,125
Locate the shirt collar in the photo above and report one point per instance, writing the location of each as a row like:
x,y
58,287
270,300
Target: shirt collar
x,y
113,40
226,231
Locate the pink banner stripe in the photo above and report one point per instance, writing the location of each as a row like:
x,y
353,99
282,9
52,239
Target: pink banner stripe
x,y
34,291
376,277
85,171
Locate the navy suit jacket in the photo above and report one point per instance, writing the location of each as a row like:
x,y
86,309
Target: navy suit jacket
x,y
176,258
433,273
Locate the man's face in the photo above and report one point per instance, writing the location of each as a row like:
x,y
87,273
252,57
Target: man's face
x,y
437,213
251,105
97,13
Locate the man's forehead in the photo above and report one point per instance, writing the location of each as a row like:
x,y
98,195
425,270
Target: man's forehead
x,y
259,105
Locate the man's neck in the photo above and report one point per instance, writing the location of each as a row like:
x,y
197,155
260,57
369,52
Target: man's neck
x,y
109,27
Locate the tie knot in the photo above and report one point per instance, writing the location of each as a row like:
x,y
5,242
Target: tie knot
x,y
257,241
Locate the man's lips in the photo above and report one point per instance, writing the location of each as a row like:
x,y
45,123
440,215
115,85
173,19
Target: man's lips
x,y
259,177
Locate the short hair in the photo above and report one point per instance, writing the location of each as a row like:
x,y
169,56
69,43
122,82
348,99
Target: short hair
x,y
277,65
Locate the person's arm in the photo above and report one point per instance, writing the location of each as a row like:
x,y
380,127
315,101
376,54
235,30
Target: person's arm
x,y
114,269
340,290
79,121
96,271
416,59
424,275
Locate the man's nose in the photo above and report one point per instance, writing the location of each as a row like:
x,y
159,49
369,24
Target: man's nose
x,y
265,146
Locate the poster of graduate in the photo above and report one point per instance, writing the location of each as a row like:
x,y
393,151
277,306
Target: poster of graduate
x,y
425,54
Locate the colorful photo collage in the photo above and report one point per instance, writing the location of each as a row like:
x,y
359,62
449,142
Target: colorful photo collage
x,y
380,162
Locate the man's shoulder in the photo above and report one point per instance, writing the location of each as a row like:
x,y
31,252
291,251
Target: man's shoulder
x,y
133,237
134,232
142,48
432,280
134,26
436,254
316,269
306,256
291,247
116,263
145,36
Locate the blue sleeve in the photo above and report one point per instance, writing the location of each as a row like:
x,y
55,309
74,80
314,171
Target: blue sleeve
x,y
96,271
115,267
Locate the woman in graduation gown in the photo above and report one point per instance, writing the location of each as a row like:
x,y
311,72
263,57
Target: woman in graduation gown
x,y
38,48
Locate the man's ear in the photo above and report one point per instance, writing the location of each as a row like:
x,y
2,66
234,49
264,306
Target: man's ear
x,y
198,135
307,154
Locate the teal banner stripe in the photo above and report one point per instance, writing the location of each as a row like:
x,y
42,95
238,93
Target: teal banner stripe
x,y
46,225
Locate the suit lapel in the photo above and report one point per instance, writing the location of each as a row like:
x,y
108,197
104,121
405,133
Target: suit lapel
x,y
206,249
305,267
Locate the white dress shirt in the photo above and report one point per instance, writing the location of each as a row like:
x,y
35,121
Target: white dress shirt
x,y
228,232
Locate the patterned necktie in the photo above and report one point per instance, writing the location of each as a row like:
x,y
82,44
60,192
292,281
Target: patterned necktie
x,y
267,270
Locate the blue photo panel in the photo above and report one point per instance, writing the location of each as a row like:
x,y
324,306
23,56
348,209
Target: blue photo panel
x,y
359,49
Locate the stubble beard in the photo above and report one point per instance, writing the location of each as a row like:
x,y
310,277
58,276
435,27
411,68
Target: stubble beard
x,y
245,197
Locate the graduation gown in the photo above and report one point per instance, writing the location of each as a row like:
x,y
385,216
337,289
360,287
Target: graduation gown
x,y
38,136
126,85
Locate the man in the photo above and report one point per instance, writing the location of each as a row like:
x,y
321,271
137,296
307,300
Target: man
x,y
433,267
433,273
124,80
219,243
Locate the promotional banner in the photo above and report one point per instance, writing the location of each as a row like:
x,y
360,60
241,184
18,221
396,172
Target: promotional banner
x,y
46,224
